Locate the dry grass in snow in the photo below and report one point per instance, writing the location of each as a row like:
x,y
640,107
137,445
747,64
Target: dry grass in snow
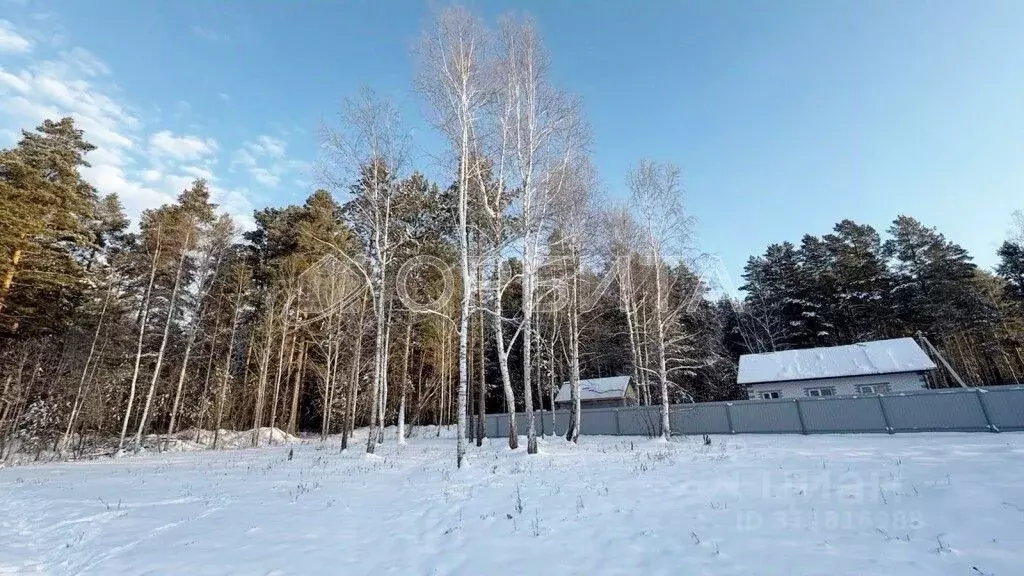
x,y
903,505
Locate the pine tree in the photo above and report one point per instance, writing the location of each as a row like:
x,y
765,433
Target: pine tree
x,y
46,210
772,310
933,288
1011,269
811,305
862,282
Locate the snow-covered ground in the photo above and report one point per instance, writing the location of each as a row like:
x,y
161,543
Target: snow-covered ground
x,y
747,505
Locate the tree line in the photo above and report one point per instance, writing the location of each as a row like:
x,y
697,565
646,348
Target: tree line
x,y
390,299
852,285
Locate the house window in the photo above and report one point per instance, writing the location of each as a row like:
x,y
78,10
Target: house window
x,y
873,388
771,395
817,392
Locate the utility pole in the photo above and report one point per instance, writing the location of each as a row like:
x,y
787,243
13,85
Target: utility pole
x,y
941,358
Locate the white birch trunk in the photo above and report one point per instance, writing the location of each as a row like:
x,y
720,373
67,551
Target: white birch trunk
x,y
138,346
206,382
263,374
528,294
163,342
226,378
280,365
193,332
481,428
573,433
293,414
404,384
460,447
384,371
659,322
378,365
506,378
325,416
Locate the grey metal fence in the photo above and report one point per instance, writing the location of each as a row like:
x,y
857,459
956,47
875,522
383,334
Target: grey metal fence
x,y
958,410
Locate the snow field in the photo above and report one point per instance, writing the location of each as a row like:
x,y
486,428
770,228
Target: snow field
x,y
839,505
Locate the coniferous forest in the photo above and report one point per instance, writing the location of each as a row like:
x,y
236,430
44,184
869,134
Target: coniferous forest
x,y
389,298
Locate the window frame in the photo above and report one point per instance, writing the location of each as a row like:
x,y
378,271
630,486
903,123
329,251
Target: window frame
x,y
767,394
820,390
876,387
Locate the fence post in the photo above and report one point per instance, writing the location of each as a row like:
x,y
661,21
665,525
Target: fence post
x,y
618,430
800,415
728,417
885,415
984,410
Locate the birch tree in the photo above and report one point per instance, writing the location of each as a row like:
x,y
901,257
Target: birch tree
x,y
155,249
213,248
495,199
371,149
665,230
185,221
239,286
545,134
452,77
577,230
623,247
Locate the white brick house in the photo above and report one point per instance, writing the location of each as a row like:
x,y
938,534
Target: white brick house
x,y
882,366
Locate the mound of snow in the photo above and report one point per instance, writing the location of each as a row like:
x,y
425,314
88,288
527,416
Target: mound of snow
x,y
192,439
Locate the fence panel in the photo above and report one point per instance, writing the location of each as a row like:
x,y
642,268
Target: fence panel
x,y
700,419
562,421
1005,407
941,410
497,425
599,421
765,416
640,421
843,414
521,422
927,410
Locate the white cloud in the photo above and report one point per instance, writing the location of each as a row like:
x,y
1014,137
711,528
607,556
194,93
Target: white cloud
x,y
104,155
269,146
86,61
67,86
145,165
244,157
33,110
178,182
300,166
265,160
199,172
164,143
20,83
265,177
11,41
51,89
236,203
135,196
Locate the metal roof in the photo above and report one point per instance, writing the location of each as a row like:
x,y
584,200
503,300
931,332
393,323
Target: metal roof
x,y
596,389
866,358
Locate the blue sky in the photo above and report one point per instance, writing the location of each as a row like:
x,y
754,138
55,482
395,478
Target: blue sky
x,y
784,116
